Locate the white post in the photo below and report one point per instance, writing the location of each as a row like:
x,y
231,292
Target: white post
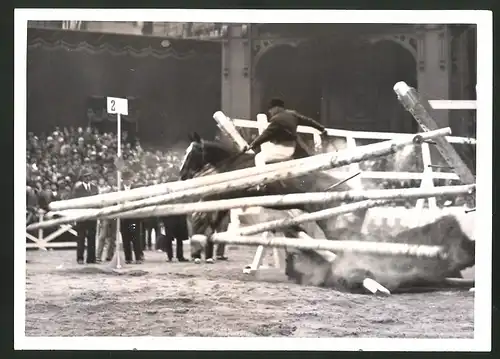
x,y
118,185
40,231
318,145
118,106
427,181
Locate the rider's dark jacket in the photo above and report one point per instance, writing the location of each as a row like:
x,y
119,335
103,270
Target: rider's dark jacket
x,y
282,127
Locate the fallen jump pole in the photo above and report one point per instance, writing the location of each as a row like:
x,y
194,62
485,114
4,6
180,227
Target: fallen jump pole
x,y
278,201
108,199
306,217
315,163
362,247
328,161
293,199
419,109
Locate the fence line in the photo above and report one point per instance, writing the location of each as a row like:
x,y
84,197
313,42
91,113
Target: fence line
x,y
426,177
453,104
42,242
354,134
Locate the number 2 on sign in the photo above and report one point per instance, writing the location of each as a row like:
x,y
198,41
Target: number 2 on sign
x,y
117,105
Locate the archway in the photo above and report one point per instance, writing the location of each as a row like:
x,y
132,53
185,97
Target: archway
x,y
358,86
288,72
391,63
345,84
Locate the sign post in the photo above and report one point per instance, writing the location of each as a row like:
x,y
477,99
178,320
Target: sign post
x,y
118,106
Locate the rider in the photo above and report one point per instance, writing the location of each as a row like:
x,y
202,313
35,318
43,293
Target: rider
x,y
280,136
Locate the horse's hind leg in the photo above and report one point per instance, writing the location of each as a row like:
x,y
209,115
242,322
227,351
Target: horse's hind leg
x,y
290,270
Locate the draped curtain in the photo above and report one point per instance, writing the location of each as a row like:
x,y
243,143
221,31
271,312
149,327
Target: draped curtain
x,y
177,87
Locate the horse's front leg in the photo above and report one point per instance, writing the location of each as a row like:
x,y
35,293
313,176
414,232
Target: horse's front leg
x,y
215,224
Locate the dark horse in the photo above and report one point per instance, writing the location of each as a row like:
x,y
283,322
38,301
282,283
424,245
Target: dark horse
x,y
207,157
348,270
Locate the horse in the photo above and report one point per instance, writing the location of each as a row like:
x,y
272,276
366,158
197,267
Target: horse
x,y
205,157
348,271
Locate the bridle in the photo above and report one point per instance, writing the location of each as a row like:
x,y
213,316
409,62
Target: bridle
x,y
194,146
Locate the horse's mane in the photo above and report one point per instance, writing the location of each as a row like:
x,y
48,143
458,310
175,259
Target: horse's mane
x,y
220,146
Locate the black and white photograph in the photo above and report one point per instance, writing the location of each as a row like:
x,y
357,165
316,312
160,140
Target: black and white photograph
x,y
271,179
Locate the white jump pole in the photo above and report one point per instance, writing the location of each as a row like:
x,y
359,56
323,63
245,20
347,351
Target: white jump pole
x,y
361,247
276,201
418,108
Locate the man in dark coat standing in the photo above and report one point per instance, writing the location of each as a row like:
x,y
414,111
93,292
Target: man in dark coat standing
x,y
85,229
129,228
175,227
279,139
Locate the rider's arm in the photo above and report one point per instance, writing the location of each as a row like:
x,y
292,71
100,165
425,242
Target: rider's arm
x,y
263,137
307,121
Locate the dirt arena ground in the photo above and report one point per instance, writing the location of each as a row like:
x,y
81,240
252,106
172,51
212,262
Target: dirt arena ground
x,y
186,299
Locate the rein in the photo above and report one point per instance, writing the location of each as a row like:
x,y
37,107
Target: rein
x,y
219,165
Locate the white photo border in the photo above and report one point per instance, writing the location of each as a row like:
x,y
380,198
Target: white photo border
x,y
482,305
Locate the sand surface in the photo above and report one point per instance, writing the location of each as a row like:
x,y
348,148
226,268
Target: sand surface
x,y
185,299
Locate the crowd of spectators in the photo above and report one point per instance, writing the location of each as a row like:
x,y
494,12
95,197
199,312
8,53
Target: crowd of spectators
x,y
55,160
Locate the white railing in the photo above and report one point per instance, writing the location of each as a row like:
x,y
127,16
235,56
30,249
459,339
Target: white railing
x,y
354,134
43,243
426,177
453,104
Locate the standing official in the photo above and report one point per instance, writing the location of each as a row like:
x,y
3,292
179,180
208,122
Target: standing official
x,y
85,229
129,228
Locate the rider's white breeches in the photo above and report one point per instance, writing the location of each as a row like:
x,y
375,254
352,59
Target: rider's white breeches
x,y
273,152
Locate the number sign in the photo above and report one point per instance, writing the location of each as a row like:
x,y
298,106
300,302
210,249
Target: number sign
x,y
117,105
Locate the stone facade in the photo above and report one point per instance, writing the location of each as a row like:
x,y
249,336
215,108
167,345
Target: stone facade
x,y
167,29
341,74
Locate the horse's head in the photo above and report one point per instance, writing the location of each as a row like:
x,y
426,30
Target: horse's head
x,y
194,158
200,153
